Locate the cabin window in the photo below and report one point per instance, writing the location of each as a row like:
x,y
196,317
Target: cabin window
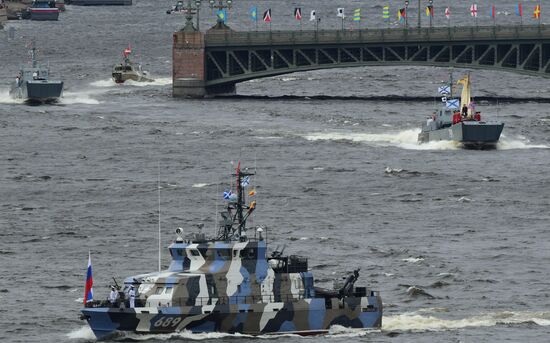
x,y
168,290
195,252
224,253
159,290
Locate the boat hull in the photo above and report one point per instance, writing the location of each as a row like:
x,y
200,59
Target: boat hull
x,y
44,14
303,317
38,91
470,134
134,76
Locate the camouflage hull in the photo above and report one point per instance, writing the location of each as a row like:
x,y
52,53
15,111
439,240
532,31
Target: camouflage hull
x,y
134,76
304,317
470,134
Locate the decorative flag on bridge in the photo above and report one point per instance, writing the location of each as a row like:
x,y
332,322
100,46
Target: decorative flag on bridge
x,y
386,13
253,13
298,13
88,291
519,9
473,10
267,16
340,13
222,15
493,12
536,13
448,13
357,15
429,11
312,15
401,14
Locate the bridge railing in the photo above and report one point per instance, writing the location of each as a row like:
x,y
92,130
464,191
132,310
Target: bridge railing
x,y
220,38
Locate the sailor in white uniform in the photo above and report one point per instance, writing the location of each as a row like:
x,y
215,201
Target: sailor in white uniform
x,y
132,296
113,296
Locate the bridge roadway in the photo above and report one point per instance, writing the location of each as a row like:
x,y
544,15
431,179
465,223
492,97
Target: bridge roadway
x,y
213,62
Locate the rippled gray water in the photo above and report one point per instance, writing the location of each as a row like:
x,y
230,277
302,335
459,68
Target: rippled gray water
x,y
343,181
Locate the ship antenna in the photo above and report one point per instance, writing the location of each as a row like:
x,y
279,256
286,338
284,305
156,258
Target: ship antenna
x,y
158,187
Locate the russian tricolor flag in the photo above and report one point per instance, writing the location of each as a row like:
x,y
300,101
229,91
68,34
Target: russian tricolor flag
x,y
88,291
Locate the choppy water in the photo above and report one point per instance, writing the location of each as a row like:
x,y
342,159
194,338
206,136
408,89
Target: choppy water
x,y
343,181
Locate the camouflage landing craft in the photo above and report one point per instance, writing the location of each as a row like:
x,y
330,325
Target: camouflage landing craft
x,y
231,284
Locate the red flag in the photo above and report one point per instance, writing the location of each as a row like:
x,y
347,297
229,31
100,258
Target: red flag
x,y
519,9
127,51
447,13
493,11
267,16
298,13
473,10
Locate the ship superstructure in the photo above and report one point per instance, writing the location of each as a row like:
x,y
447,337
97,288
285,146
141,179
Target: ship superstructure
x,y
231,284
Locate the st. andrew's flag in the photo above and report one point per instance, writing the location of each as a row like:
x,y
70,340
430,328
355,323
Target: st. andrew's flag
x,y
444,90
452,104
245,181
88,291
227,195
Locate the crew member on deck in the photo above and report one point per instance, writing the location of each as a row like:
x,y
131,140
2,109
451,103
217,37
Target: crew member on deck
x,y
113,296
132,296
464,111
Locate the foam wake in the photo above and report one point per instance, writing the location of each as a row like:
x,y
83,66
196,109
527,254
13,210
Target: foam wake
x,y
408,139
6,99
108,83
416,322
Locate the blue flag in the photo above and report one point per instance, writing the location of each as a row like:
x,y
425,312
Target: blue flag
x,y
227,195
452,104
222,15
245,181
254,13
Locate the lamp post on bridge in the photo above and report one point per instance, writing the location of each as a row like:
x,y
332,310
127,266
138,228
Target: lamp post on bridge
x,y
221,7
190,10
419,15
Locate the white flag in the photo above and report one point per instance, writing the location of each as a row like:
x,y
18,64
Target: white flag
x,y
340,13
312,16
473,10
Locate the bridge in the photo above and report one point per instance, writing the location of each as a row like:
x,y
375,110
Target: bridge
x,y
213,62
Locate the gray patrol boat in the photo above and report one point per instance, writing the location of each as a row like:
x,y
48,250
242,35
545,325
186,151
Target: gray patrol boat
x,y
33,83
230,284
464,126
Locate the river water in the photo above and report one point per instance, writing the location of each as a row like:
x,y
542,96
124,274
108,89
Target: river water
x,y
456,241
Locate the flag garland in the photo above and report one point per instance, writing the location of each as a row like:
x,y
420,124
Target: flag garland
x,y
519,9
429,11
536,12
401,14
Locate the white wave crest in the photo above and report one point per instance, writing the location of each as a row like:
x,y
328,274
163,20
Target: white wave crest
x,y
520,142
84,333
200,185
416,322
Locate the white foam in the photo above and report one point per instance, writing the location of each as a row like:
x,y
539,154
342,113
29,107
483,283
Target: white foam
x,y
519,142
200,185
78,98
416,322
405,139
108,83
84,333
5,97
413,259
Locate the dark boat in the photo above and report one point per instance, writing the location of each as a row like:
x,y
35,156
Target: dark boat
x,y
44,10
230,284
464,126
33,83
99,2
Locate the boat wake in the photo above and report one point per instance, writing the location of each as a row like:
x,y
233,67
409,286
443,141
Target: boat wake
x,y
408,139
6,99
415,321
70,98
109,83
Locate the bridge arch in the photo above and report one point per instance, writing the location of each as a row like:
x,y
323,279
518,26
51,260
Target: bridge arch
x,y
231,57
